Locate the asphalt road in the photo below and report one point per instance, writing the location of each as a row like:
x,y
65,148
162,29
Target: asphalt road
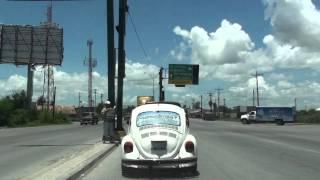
x,y
230,150
27,150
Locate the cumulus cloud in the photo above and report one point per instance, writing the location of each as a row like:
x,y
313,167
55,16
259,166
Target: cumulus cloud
x,y
279,76
295,22
280,93
141,75
219,54
13,84
180,53
216,47
293,44
137,82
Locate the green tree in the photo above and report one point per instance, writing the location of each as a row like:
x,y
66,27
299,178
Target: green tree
x,y
6,107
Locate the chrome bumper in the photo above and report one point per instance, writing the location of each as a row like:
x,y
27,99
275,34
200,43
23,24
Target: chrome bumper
x,y
160,164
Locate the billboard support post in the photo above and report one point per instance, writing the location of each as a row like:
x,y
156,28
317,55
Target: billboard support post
x,y
29,86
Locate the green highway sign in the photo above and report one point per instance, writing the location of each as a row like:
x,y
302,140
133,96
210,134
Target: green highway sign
x,y
182,74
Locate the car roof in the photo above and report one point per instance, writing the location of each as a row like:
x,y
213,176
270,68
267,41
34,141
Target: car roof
x,y
158,107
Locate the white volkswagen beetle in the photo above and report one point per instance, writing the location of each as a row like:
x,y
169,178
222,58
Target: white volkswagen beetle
x,y
158,137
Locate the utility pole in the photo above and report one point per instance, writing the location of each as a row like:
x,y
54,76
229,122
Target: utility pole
x,y
153,88
210,101
50,74
111,52
101,98
91,64
201,104
95,97
218,93
295,103
253,98
161,91
224,106
123,9
89,43
257,83
79,99
54,103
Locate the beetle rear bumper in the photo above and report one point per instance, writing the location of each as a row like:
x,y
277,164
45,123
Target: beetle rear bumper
x,y
160,164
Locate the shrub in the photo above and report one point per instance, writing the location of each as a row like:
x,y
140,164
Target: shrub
x,y
19,117
14,113
45,117
6,108
310,116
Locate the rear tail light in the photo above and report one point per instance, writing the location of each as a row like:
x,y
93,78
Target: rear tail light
x,y
189,146
128,147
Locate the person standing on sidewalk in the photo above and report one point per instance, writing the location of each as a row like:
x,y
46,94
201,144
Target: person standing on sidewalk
x,y
108,114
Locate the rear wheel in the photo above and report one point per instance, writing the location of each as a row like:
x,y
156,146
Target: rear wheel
x,y
245,121
280,122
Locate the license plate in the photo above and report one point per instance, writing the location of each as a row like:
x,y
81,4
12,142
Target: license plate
x,y
158,145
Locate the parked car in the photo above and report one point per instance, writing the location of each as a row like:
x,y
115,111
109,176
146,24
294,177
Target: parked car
x,y
158,138
89,118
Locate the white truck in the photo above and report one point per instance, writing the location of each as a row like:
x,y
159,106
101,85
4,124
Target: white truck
x,y
279,115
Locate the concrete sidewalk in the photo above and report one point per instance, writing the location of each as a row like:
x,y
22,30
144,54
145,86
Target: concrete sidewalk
x,y
73,166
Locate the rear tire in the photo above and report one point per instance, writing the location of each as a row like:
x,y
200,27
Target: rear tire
x,y
279,122
245,121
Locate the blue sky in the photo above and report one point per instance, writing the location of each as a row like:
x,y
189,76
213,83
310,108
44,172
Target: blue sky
x,y
156,22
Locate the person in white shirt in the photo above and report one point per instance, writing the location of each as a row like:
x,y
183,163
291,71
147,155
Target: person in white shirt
x,y
108,114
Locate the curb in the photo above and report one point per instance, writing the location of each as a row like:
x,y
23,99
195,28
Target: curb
x,y
78,174
85,170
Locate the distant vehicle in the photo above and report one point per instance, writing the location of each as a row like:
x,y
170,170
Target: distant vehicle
x,y
279,115
89,118
195,114
209,116
158,137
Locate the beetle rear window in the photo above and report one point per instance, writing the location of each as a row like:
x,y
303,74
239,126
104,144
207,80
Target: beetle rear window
x,y
158,117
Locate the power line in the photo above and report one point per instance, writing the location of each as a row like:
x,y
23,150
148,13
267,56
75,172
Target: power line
x,y
138,36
